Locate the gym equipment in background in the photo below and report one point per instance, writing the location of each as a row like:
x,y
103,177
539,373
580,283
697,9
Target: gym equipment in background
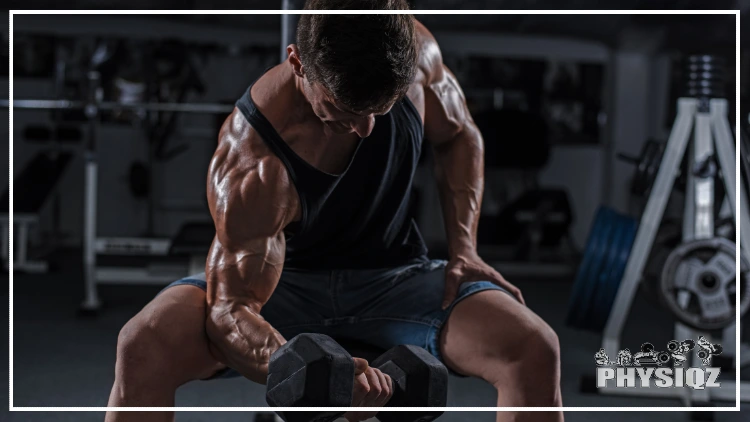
x,y
699,283
132,260
529,234
601,269
539,218
32,189
646,166
151,263
193,241
702,113
108,260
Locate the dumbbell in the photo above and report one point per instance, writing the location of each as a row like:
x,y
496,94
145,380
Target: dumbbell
x,y
312,370
419,380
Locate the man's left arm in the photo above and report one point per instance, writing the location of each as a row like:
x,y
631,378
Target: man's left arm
x,y
459,169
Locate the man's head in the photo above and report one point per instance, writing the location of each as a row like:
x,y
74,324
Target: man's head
x,y
354,66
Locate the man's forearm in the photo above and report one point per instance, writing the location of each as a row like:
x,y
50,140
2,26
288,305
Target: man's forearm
x,y
459,169
242,339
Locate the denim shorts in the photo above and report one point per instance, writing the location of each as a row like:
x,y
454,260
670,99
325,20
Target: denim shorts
x,y
380,307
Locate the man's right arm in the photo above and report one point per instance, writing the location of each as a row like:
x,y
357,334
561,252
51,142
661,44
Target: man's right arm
x,y
251,200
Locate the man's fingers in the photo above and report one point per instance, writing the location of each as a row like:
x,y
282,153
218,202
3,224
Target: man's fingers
x,y
449,296
452,281
360,390
384,389
502,282
496,278
360,366
375,388
515,292
385,381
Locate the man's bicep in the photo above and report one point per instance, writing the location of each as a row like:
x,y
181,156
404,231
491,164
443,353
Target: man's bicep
x,y
250,216
446,113
248,273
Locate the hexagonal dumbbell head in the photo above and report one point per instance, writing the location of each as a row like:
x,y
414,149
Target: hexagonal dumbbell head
x,y
420,380
311,370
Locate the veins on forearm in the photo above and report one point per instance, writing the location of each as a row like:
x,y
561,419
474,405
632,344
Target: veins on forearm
x,y
460,175
245,339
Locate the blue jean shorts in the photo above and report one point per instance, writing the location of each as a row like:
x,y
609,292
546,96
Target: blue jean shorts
x,y
380,307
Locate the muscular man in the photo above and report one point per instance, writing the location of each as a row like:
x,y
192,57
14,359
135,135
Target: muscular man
x,y
309,191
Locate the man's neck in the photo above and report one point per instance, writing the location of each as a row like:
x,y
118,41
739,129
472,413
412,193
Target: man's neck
x,y
282,99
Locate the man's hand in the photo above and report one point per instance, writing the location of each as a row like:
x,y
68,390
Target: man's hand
x,y
465,268
372,388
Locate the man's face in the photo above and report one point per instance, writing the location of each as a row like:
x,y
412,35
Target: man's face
x,y
337,118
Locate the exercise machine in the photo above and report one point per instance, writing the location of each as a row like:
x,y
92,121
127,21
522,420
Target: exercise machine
x,y
122,260
702,131
33,187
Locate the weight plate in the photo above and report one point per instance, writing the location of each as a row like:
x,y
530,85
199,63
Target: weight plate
x,y
586,277
611,284
598,309
603,264
698,284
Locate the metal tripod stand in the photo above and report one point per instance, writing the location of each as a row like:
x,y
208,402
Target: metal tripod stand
x,y
711,139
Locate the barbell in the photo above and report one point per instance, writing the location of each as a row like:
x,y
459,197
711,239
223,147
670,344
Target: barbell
x,y
209,108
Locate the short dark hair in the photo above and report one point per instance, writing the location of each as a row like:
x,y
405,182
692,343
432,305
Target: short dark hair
x,y
365,61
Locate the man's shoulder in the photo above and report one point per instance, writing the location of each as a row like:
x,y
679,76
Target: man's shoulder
x,y
242,144
245,174
430,60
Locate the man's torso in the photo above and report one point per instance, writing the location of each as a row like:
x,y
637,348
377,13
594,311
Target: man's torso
x,y
354,194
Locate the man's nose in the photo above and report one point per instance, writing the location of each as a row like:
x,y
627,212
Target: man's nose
x,y
363,126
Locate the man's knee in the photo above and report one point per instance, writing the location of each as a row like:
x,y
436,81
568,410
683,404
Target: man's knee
x,y
530,374
534,354
542,348
143,348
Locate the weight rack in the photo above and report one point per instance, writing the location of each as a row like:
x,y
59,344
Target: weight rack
x,y
93,107
702,113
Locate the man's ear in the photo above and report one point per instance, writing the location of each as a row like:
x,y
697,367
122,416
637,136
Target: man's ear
x,y
294,61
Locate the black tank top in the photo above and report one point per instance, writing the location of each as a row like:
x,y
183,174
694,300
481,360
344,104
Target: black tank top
x,y
360,218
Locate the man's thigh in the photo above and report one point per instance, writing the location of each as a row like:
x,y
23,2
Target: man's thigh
x,y
492,326
381,307
178,317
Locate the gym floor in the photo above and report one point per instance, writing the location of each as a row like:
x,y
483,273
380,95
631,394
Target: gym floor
x,y
62,359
